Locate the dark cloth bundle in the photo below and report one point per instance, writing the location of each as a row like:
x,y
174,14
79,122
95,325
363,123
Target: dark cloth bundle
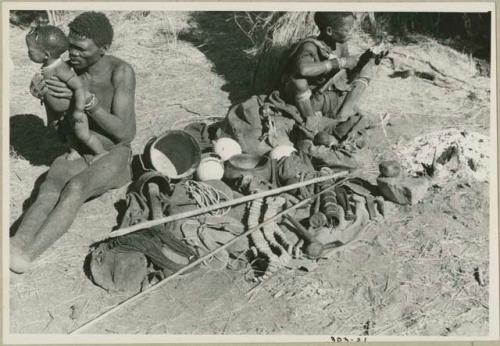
x,y
264,122
164,246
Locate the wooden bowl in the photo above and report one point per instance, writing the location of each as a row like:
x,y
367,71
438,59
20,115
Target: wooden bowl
x,y
247,164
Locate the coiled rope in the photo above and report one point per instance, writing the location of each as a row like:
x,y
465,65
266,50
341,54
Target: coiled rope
x,y
206,195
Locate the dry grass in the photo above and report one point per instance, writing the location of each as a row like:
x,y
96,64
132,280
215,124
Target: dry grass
x,y
169,30
411,274
272,34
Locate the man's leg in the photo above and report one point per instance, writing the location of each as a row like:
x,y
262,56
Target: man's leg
x,y
359,86
299,93
109,172
347,113
60,172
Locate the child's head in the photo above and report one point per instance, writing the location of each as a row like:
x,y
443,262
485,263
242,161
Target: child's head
x,y
46,42
337,26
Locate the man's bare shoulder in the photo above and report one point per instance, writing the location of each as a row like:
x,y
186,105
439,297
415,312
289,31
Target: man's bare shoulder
x,y
309,47
307,50
121,70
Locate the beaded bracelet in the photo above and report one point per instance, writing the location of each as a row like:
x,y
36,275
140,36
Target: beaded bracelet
x,y
94,101
362,80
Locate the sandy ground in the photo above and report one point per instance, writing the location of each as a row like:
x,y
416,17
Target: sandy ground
x,y
410,274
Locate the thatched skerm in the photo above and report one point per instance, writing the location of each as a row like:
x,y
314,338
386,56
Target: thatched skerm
x,y
272,34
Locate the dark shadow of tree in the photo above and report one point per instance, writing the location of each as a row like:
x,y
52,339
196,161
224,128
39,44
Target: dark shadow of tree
x,y
217,36
33,141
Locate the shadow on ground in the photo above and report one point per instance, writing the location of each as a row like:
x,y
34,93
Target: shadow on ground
x,y
33,141
221,40
28,202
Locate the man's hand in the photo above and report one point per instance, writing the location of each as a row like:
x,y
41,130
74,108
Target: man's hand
x,y
369,70
57,88
38,88
313,123
348,62
351,62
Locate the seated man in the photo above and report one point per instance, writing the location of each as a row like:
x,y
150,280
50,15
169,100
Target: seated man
x,y
313,62
110,87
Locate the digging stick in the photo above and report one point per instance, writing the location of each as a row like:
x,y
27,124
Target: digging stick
x,y
244,199
193,264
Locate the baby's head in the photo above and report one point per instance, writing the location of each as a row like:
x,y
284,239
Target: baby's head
x,y
46,42
337,26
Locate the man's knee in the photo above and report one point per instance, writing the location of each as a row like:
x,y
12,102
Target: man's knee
x,y
74,189
300,85
50,188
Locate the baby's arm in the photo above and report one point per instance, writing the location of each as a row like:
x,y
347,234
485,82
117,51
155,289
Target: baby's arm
x,y
68,76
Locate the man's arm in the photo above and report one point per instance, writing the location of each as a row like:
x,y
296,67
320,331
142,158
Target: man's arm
x,y
366,74
118,121
308,64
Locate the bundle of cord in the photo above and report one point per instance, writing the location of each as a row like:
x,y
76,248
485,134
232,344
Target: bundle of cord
x,y
206,195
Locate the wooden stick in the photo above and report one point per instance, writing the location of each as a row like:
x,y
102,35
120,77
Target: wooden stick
x,y
199,260
244,199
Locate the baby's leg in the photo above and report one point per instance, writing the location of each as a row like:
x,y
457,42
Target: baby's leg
x,y
84,134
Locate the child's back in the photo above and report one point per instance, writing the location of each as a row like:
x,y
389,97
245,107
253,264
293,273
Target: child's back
x,y
57,69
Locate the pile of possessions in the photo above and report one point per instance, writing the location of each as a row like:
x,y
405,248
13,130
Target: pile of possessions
x,y
448,154
281,209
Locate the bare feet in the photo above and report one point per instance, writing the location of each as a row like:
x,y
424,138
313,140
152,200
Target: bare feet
x,y
19,262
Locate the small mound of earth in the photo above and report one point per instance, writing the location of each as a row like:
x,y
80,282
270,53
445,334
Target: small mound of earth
x,y
458,154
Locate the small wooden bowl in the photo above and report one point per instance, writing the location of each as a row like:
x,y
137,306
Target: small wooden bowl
x,y
247,164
